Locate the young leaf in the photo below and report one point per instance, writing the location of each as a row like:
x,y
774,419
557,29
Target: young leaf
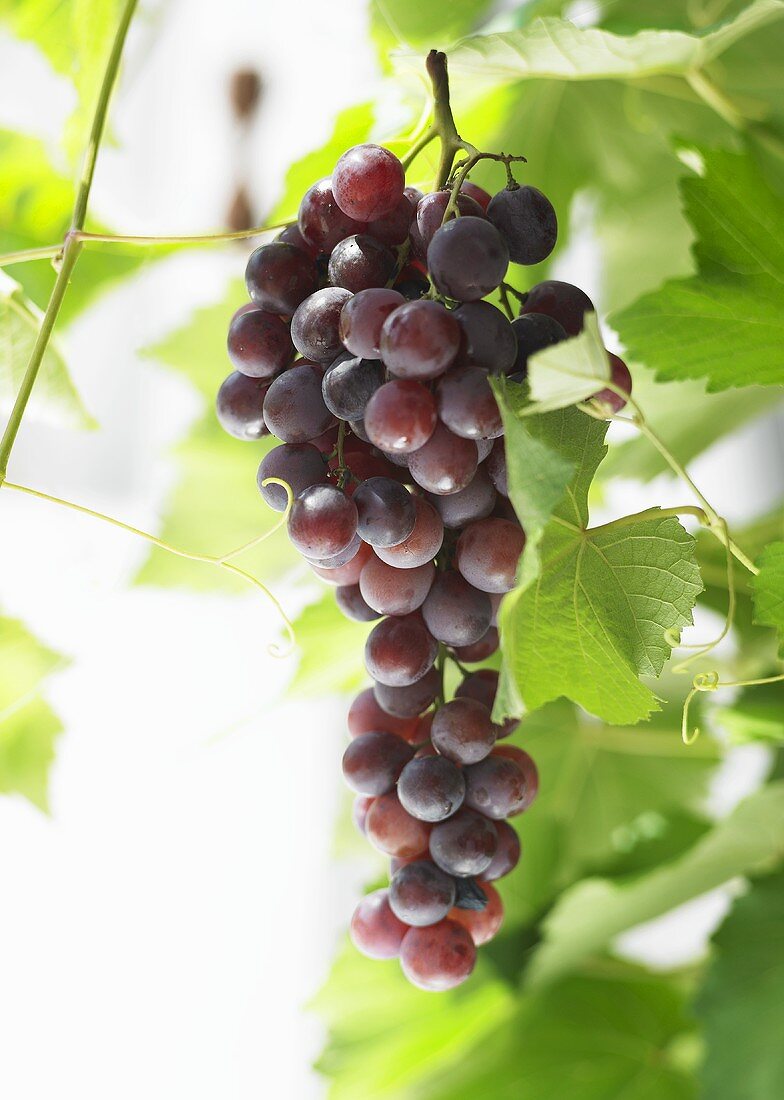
x,y
592,618
590,915
740,1005
542,453
769,590
28,726
54,399
726,323
571,371
397,24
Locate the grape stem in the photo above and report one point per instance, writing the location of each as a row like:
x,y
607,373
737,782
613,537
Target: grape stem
x,y
72,245
222,561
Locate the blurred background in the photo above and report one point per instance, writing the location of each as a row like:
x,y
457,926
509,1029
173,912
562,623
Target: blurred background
x,y
172,902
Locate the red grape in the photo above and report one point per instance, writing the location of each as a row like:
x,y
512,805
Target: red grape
x,y
407,702
322,521
348,572
497,787
321,221
259,343
399,651
466,404
394,831
392,591
362,319
298,464
294,408
463,731
360,262
438,957
419,340
353,605
474,502
488,553
422,544
386,511
481,650
619,376
507,854
374,928
445,464
400,416
365,715
368,182
455,612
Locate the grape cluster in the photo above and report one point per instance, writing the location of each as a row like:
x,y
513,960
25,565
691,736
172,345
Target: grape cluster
x,y
367,348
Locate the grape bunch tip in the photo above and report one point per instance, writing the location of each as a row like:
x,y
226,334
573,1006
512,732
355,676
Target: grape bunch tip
x,y
367,347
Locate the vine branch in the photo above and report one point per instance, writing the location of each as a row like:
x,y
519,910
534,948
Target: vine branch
x,y
73,245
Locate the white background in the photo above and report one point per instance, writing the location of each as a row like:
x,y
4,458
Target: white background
x,y
162,930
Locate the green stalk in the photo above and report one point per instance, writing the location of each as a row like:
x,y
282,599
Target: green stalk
x,y
73,245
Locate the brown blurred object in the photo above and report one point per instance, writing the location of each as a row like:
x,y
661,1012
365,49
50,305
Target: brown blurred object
x,y
240,213
245,88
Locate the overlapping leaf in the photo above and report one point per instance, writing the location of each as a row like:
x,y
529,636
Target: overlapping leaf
x,y
726,323
740,1004
54,398
28,726
769,589
589,916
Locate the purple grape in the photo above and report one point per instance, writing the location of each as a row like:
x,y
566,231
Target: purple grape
x,y
294,408
239,406
455,612
315,324
431,788
322,521
259,343
279,276
467,259
526,220
421,893
359,263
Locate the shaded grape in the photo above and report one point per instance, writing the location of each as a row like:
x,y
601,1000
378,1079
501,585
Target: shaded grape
x,y
239,406
422,544
279,276
563,301
373,761
431,788
455,612
399,651
534,331
463,731
421,893
467,259
407,702
419,340
526,220
374,928
348,385
386,511
466,404
315,324
438,957
393,830
507,854
481,924
497,787
465,843
400,416
321,221
360,262
446,463
298,464
474,502
392,591
353,605
259,343
490,340
363,317
294,408
365,715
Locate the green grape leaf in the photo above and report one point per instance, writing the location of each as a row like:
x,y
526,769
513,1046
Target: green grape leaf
x,y
543,454
76,37
769,590
591,914
605,1036
606,795
54,399
332,649
756,715
557,48
593,619
28,726
740,1004
215,505
726,323
569,372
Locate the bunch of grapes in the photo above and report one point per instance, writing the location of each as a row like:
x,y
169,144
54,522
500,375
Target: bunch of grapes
x,y
368,349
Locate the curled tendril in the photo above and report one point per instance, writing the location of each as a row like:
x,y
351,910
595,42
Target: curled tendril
x,y
222,561
703,681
